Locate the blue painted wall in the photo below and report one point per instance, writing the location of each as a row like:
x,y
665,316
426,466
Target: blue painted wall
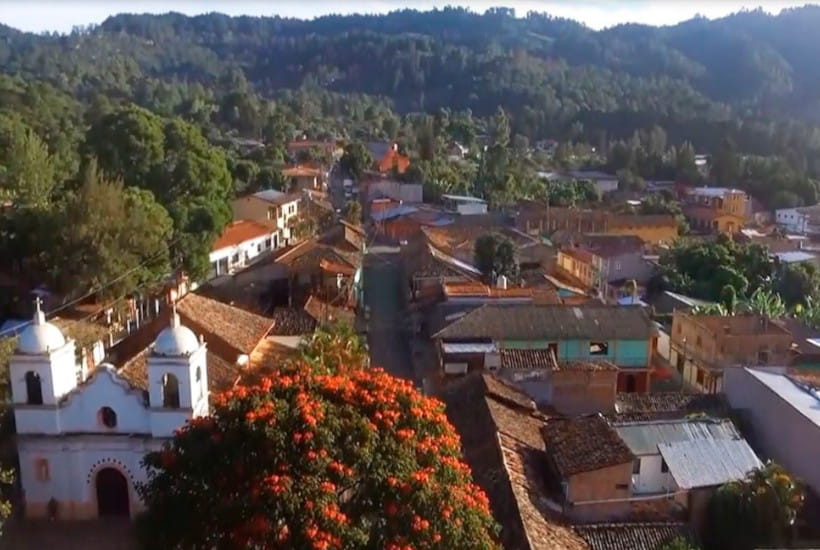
x,y
624,353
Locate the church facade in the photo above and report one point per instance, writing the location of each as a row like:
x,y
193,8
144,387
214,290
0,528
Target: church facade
x,y
81,441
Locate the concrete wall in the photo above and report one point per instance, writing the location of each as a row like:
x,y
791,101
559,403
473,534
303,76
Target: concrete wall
x,y
577,392
586,490
779,431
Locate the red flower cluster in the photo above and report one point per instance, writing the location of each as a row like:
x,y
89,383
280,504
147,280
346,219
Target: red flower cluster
x,y
308,458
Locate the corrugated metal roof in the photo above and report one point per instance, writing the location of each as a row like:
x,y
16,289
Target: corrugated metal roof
x,y
643,438
708,462
450,347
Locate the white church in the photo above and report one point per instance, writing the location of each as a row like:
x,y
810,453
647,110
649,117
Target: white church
x,y
81,440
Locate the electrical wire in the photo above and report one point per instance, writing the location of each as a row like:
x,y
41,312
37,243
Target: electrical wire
x,y
103,286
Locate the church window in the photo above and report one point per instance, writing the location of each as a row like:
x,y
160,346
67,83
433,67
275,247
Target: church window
x,y
170,391
108,417
34,389
41,471
198,374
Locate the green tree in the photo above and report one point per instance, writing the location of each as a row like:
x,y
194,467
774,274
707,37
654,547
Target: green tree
x,y
796,283
27,174
754,512
355,160
128,144
110,233
314,459
333,346
496,255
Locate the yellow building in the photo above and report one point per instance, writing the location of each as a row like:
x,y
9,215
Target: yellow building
x,y
581,265
716,209
652,229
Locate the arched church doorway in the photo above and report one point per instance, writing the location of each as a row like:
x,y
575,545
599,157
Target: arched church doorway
x,y
112,493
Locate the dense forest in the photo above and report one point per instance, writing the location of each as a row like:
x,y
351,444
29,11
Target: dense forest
x,y
153,104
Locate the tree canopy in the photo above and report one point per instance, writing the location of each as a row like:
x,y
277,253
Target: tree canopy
x,y
496,255
316,458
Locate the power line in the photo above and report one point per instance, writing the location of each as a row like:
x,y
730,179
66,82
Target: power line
x,y
95,290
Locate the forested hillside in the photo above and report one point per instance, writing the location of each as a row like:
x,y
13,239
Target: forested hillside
x,y
152,103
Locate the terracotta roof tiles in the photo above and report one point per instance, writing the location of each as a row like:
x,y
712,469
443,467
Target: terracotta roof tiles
x,y
240,329
241,231
500,435
584,444
634,536
537,322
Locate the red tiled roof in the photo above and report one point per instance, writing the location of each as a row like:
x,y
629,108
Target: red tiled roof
x,y
240,329
240,231
393,159
584,444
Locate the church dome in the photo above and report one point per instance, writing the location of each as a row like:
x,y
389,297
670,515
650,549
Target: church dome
x,y
40,336
175,340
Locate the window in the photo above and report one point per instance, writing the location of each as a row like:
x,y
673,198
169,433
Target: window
x,y
198,374
598,348
107,417
763,355
617,266
34,389
170,391
235,258
664,466
41,470
636,466
271,213
700,377
267,243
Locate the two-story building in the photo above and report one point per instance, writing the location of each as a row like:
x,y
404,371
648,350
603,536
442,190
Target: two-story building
x,y
605,263
702,346
804,220
716,209
239,244
581,266
623,335
270,206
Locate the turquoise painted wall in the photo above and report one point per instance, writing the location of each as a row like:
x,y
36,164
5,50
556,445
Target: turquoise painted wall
x,y
624,353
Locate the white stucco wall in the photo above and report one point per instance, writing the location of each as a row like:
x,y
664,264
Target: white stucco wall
x,y
81,411
72,465
651,479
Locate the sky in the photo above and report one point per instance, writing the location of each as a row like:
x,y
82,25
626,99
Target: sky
x,y
63,15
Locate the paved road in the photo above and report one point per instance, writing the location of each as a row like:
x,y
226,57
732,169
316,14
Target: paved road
x,y
390,327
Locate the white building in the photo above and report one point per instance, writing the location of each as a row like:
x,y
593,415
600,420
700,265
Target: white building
x,y
270,206
81,441
669,453
803,220
240,243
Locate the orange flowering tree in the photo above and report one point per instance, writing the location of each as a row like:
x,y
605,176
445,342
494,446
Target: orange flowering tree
x,y
313,459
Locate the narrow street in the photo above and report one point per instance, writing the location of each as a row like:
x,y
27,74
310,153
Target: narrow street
x,y
390,326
